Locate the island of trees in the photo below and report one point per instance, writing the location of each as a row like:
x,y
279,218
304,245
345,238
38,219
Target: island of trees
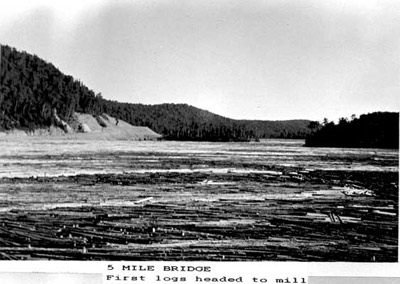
x,y
32,90
374,130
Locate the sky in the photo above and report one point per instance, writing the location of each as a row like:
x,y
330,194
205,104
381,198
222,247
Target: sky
x,y
260,59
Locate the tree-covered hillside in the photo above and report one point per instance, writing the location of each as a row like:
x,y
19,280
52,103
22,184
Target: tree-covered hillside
x,y
31,90
374,130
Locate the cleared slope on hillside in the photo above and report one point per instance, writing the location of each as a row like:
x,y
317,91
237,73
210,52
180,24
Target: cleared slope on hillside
x,y
86,126
107,127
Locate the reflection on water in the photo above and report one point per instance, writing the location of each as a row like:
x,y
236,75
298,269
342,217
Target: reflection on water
x,y
37,157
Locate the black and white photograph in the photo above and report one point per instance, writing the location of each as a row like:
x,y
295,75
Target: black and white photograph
x,y
206,131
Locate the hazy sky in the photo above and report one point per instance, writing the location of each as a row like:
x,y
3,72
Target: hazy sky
x,y
242,59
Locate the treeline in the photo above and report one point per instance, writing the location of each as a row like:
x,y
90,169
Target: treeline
x,y
373,130
31,89
184,122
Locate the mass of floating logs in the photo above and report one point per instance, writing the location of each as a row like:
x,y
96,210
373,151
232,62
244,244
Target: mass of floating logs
x,y
285,214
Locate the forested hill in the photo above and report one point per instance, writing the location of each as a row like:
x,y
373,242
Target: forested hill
x,y
31,89
374,130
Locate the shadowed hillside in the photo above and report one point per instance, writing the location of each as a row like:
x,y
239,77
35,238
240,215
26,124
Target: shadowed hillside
x,y
32,90
374,130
